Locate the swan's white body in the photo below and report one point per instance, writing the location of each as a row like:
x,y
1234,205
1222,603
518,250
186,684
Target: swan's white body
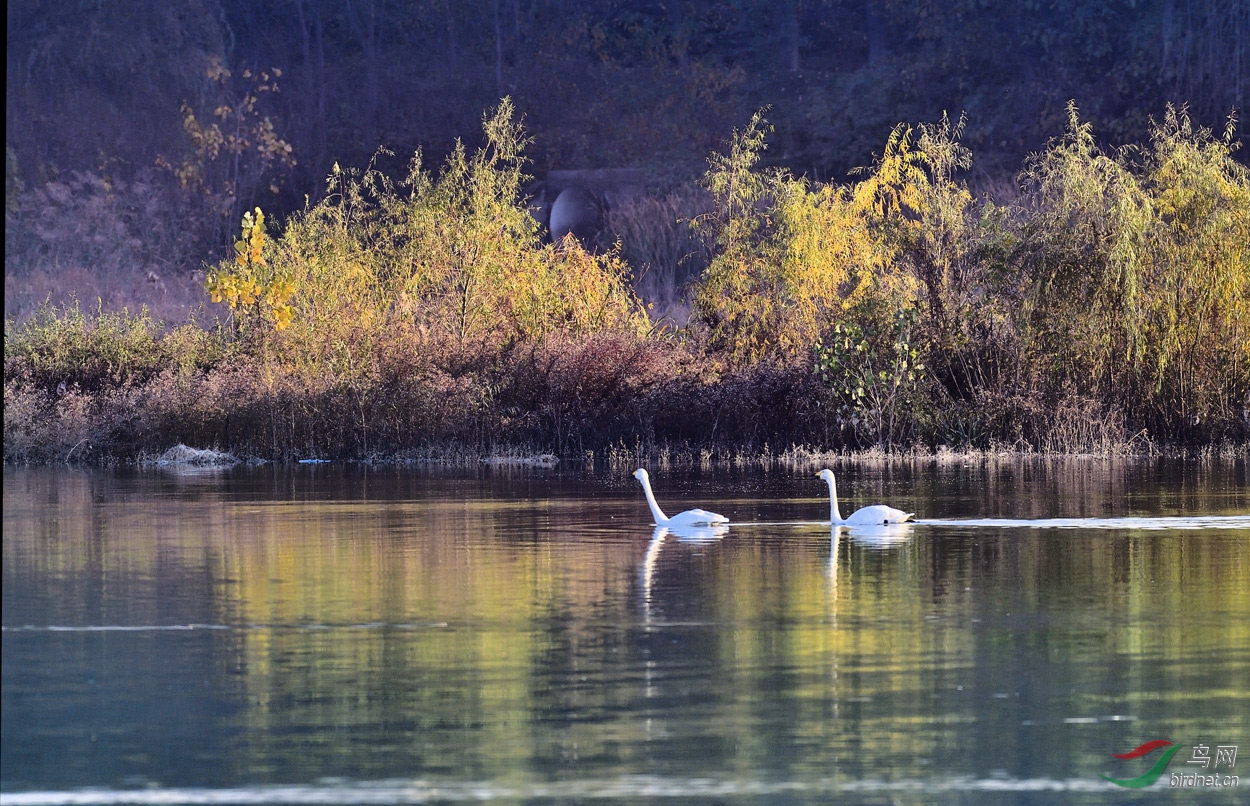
x,y
875,515
691,517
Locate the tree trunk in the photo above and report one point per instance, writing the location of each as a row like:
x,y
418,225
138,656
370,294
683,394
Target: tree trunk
x,y
876,32
790,36
498,51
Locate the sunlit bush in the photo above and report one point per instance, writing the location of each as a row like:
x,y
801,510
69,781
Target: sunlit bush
x,y
1138,274
791,259
257,295
454,256
1195,368
922,215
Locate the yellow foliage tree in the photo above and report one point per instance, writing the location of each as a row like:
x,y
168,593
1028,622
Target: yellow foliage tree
x,y
252,289
792,259
238,151
920,212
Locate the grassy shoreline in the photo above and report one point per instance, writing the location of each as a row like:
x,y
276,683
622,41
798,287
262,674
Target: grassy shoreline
x,y
117,389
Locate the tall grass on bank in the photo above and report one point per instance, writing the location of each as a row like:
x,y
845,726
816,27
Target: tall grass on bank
x,y
1104,309
79,383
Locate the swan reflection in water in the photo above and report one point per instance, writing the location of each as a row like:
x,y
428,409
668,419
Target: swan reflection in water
x,y
835,533
696,535
877,536
880,535
691,535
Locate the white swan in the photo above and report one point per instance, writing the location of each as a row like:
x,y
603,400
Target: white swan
x,y
691,517
877,514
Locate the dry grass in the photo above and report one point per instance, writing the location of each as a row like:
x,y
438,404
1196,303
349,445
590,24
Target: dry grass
x,y
84,237
664,251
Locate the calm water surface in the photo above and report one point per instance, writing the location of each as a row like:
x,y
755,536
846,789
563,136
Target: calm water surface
x,y
338,633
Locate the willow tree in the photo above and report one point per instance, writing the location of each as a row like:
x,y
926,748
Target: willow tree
x,y
791,258
1138,274
1195,371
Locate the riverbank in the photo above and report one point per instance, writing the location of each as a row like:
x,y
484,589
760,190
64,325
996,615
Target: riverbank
x,y
107,388
1106,311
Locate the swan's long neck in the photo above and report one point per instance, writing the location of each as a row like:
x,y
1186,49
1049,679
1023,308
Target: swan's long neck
x,y
656,512
835,516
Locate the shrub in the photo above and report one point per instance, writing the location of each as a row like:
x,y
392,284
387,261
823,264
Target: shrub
x,y
1194,371
457,256
790,259
923,215
1138,275
875,373
1082,253
257,295
60,349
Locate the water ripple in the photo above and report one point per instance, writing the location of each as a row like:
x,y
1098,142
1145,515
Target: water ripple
x,y
1190,522
406,792
372,625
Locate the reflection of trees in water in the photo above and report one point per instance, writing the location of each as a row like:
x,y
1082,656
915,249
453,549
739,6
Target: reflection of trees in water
x,y
482,635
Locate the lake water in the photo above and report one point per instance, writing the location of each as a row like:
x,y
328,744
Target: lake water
x,y
347,634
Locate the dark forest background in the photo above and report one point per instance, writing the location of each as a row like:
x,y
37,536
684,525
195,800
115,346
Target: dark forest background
x,y
97,85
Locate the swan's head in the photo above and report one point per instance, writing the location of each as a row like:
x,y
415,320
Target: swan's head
x,y
640,474
825,475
